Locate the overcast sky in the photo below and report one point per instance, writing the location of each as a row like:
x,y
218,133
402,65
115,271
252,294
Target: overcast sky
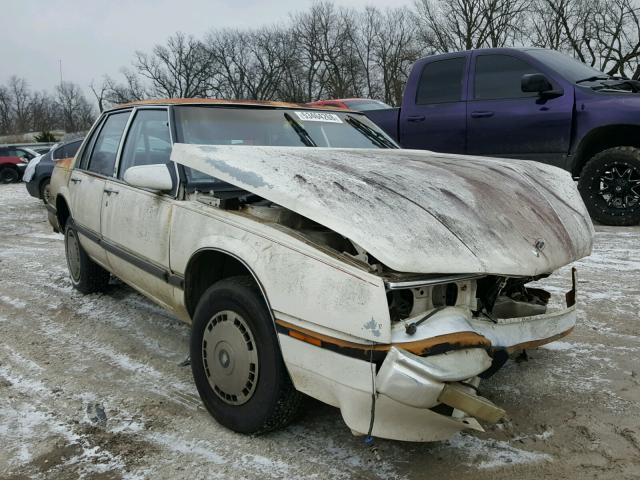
x,y
94,37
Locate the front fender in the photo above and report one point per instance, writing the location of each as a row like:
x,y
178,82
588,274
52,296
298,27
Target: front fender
x,y
303,285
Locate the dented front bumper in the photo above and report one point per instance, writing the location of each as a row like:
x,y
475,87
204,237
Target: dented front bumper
x,y
425,384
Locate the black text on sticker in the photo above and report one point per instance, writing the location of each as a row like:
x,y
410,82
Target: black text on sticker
x,y
318,117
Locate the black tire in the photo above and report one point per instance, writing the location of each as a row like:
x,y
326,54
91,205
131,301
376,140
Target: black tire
x,y
610,186
273,403
9,174
45,191
87,276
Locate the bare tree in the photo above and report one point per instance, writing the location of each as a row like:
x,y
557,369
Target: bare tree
x,y
75,110
181,68
395,52
465,24
21,97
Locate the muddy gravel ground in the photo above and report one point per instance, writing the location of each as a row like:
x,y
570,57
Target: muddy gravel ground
x,y
94,386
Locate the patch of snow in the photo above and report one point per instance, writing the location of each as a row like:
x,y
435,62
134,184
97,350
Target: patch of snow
x,y
14,302
559,346
486,454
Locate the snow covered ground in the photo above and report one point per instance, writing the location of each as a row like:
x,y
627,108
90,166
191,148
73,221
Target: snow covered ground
x,y
93,387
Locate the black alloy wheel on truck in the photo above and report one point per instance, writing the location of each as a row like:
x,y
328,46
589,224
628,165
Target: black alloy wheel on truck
x,y
610,186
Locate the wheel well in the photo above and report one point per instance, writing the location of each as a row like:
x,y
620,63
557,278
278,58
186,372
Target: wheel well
x,y
603,138
205,268
62,212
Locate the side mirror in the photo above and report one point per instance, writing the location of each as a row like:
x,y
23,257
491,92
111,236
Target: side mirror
x,y
153,177
538,83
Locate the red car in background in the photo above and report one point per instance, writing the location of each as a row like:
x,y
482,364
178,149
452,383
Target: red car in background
x,y
357,104
13,161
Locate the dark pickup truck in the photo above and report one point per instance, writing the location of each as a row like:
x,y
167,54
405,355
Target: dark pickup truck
x,y
532,104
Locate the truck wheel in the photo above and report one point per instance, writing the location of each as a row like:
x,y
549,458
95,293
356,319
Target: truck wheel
x,y
86,275
610,186
45,190
236,361
8,175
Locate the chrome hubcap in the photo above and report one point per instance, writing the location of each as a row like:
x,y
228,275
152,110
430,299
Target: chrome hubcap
x,y
230,357
73,255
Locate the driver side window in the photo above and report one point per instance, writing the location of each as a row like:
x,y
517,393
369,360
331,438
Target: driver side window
x,y
148,141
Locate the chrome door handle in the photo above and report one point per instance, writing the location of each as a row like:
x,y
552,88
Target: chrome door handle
x,y
108,191
76,180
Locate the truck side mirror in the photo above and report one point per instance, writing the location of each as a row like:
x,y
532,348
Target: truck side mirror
x,y
538,83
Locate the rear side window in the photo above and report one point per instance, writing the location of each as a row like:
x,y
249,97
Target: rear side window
x,y
500,76
441,81
105,150
148,141
66,151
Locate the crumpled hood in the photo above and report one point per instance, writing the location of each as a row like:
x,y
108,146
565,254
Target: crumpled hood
x,y
418,211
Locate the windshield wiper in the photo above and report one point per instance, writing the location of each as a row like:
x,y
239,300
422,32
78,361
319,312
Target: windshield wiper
x,y
300,130
594,78
376,137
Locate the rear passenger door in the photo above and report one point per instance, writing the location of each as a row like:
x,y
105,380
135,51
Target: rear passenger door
x,y
88,179
135,221
436,118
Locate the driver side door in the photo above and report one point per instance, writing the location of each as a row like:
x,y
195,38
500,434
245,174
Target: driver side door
x,y
136,221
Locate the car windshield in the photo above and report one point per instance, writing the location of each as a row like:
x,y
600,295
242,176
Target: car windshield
x,y
570,68
240,126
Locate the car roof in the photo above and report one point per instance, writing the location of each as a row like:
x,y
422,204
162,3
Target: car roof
x,y
214,101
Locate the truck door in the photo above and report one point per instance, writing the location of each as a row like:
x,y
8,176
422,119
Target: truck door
x,y
504,121
433,115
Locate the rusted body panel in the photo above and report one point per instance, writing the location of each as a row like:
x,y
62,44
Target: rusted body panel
x,y
418,211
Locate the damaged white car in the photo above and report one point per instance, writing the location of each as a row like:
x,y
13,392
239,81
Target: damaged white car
x,y
311,255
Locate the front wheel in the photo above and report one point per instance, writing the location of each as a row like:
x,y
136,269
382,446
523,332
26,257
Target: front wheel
x,y
610,186
236,360
9,175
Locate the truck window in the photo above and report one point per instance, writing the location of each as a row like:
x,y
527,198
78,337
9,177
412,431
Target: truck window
x,y
441,81
500,76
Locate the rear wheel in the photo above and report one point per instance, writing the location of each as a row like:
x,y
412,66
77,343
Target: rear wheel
x,y
45,190
86,275
8,175
236,360
610,186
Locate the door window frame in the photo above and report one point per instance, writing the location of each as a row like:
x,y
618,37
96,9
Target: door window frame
x,y
463,84
533,62
175,178
89,146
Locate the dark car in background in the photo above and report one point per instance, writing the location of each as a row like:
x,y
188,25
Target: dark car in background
x,y
38,173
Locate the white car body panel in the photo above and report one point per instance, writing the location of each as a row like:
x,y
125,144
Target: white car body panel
x,y
418,211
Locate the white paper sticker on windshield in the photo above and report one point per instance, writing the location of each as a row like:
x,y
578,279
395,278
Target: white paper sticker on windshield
x,y
318,117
